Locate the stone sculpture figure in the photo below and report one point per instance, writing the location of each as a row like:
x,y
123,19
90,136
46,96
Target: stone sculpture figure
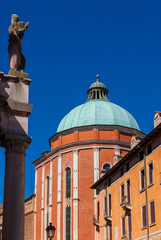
x,y
16,32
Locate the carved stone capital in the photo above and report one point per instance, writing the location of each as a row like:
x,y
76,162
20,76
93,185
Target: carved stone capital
x,y
68,202
75,151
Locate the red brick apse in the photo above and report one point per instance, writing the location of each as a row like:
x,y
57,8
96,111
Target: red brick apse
x,y
90,139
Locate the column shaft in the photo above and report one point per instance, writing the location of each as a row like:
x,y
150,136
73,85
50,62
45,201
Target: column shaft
x,y
13,212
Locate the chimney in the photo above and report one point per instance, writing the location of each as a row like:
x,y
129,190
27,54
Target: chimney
x,y
117,156
157,119
44,153
134,141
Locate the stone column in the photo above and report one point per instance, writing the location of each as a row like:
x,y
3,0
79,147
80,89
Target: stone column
x,y
14,196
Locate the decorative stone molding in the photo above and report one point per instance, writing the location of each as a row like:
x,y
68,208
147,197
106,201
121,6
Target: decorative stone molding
x,y
68,202
53,154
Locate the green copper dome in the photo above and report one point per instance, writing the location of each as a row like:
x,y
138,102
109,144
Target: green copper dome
x,y
98,110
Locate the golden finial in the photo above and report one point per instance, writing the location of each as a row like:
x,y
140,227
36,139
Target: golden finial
x,y
97,76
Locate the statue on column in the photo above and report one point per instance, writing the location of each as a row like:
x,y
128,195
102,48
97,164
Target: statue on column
x,y
16,32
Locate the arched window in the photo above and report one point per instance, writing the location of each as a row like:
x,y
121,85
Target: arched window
x,y
68,204
106,166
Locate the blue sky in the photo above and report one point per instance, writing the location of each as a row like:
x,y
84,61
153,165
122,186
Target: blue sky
x,y
67,44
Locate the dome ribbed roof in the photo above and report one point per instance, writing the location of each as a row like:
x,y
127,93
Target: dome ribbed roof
x,y
97,112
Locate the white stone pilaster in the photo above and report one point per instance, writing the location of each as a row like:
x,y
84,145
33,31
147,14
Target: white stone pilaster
x,y
45,224
75,219
35,190
75,175
50,191
42,202
96,177
58,220
75,195
35,204
59,199
95,215
59,180
96,164
42,193
64,222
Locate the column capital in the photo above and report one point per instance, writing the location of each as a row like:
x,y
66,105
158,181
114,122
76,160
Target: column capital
x,y
43,165
15,143
75,151
96,148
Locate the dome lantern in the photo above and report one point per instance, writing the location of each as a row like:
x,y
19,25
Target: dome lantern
x,y
97,90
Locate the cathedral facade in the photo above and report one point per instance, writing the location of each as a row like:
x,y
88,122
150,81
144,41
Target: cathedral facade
x,y
90,140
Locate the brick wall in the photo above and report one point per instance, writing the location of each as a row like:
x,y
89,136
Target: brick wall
x,y
29,218
29,226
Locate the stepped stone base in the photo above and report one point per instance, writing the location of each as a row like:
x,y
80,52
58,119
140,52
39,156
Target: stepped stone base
x,y
20,74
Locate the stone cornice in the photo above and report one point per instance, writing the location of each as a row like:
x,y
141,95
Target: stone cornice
x,y
15,78
77,144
